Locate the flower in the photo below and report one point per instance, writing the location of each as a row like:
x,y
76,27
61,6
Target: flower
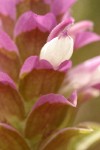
x,y
36,46
81,32
90,72
51,51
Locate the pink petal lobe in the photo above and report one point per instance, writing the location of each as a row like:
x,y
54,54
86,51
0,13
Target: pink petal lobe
x,y
90,71
7,43
7,8
97,86
81,26
61,6
65,66
29,21
85,38
33,62
5,79
59,28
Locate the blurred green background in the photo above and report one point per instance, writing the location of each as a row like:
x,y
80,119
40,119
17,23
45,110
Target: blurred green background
x,y
83,10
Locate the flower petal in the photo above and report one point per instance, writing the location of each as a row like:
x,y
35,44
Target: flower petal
x,y
81,26
38,77
85,38
8,14
97,86
59,28
7,43
90,71
8,8
48,114
60,6
11,103
10,139
57,50
65,66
